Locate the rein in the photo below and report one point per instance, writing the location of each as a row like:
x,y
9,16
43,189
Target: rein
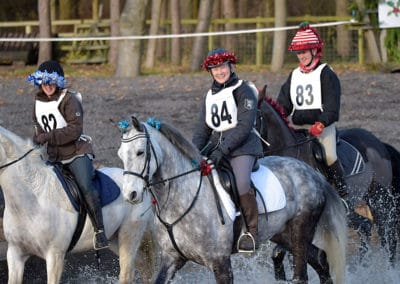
x,y
299,143
149,185
17,160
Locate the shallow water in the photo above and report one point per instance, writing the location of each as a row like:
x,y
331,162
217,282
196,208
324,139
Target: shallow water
x,y
258,269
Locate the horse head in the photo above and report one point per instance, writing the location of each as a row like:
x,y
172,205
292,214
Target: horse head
x,y
138,156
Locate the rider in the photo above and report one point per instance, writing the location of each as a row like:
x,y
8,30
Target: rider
x,y
225,127
311,97
58,121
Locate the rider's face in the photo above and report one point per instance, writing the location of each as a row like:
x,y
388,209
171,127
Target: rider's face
x,y
49,90
221,73
305,57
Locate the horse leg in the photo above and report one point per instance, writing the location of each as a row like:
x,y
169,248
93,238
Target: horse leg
x,y
54,266
383,207
16,264
363,227
278,254
302,230
318,261
168,268
131,241
223,270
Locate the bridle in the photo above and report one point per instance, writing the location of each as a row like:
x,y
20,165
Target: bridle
x,y
145,173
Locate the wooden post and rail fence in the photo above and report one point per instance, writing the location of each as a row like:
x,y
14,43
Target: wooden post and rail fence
x,y
95,51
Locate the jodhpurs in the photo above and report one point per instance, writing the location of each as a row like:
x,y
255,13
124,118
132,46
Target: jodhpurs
x,y
242,166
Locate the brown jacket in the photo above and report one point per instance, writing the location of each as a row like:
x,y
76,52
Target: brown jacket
x,y
66,142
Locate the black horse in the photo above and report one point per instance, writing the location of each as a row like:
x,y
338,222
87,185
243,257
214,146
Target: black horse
x,y
368,166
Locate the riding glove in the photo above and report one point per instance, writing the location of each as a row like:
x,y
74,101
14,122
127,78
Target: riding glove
x,y
316,129
216,156
40,139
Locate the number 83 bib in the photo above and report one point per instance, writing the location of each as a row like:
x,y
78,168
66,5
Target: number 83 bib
x,y
221,109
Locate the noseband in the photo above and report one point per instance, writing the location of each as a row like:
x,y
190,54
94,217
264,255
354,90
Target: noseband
x,y
145,173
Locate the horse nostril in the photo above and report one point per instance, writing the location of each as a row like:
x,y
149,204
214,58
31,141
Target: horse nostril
x,y
133,195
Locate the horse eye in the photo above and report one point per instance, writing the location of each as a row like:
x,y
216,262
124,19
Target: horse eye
x,y
139,153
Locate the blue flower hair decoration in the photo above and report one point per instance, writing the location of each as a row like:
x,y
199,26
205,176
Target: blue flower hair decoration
x,y
38,78
123,125
154,123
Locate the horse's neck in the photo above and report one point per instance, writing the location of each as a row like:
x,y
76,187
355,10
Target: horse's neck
x,y
279,132
31,181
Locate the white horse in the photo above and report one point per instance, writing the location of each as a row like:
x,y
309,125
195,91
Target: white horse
x,y
40,220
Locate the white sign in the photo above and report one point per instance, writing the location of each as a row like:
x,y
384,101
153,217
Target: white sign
x,y
389,13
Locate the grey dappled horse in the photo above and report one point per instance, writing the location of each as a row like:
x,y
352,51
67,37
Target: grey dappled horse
x,y
40,220
371,179
188,226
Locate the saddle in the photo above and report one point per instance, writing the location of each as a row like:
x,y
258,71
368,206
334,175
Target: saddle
x,y
351,159
107,188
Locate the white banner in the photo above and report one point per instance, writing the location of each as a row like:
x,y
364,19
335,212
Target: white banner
x,y
389,14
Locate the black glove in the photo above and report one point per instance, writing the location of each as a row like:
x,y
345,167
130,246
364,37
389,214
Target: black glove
x,y
40,139
216,156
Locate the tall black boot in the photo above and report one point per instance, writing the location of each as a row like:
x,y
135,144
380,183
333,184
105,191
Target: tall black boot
x,y
336,175
93,207
249,241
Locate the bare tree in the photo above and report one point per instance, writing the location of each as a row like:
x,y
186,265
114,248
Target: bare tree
x,y
129,51
176,29
114,17
154,26
228,8
204,19
343,45
279,45
44,30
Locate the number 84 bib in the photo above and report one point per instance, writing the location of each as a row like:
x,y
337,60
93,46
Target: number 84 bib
x,y
221,109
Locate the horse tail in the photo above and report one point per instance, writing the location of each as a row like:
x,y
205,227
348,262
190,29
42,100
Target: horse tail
x,y
332,232
395,160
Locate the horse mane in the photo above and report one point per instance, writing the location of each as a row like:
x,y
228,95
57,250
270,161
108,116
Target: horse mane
x,y
278,108
178,140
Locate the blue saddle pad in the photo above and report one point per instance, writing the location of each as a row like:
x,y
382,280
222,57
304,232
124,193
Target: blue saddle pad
x,y
351,159
107,188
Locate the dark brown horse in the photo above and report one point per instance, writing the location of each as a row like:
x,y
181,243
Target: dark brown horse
x,y
366,159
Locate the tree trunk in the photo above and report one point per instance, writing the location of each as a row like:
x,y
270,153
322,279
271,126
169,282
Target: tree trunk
x,y
175,29
199,45
228,8
343,35
154,26
129,51
114,17
44,30
279,44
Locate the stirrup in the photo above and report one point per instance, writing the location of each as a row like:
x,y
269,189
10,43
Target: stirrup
x,y
99,245
346,206
246,234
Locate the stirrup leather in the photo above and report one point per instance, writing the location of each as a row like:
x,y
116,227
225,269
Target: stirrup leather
x,y
246,234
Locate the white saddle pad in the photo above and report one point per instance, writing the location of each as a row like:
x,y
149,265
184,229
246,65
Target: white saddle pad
x,y
269,187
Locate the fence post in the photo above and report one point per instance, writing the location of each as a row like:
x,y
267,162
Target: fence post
x,y
259,43
360,33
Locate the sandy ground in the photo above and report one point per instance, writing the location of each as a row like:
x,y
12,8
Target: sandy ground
x,y
370,100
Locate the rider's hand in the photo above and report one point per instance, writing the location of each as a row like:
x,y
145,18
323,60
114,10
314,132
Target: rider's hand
x,y
216,156
317,128
40,139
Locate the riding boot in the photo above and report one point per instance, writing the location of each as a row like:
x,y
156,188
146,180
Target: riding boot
x,y
249,241
336,175
94,210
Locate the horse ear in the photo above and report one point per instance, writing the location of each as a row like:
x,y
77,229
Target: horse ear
x,y
136,123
